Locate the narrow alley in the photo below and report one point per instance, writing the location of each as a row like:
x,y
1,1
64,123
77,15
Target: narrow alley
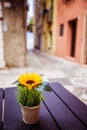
x,y
72,76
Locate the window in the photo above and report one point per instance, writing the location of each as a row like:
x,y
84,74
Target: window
x,y
61,29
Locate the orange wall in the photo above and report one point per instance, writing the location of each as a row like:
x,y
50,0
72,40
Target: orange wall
x,y
67,12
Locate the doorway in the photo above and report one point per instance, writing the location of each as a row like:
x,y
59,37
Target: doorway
x,y
73,25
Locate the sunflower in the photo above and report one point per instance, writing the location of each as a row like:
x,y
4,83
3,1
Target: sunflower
x,y
31,80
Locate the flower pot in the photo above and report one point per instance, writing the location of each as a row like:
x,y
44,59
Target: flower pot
x,y
30,114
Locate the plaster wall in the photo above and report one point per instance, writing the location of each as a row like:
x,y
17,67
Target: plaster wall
x,y
73,9
14,33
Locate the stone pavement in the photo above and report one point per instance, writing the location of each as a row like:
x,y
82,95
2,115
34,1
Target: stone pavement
x,y
72,76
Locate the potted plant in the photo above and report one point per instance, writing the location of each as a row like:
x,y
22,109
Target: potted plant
x,y
29,95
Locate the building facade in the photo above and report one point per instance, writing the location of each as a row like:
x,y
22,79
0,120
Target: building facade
x,y
45,25
61,28
13,31
71,36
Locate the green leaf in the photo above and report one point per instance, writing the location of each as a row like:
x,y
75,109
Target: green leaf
x,y
44,87
47,88
45,83
15,82
40,88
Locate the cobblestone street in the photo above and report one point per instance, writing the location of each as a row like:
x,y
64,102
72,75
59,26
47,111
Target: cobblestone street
x,y
71,75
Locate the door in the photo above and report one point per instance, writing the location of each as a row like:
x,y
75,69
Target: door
x,y
73,25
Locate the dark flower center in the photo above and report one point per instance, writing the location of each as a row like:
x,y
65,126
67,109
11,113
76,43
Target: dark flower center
x,y
30,82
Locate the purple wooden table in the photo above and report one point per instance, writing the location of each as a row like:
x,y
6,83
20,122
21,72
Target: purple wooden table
x,y
60,111
1,105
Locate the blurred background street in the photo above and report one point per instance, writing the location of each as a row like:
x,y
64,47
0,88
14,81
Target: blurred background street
x,y
72,76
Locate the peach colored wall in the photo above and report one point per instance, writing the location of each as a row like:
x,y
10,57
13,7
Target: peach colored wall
x,y
67,12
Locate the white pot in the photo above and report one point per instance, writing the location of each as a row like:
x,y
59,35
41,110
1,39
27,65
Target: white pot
x,y
30,114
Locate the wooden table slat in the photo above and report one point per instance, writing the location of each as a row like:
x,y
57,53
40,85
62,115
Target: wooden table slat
x,y
1,104
62,114
79,108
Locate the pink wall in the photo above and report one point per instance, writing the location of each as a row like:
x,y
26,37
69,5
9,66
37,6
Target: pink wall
x,y
74,9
